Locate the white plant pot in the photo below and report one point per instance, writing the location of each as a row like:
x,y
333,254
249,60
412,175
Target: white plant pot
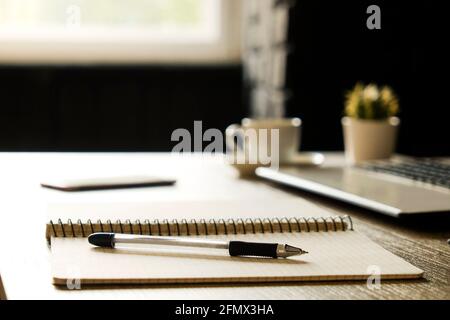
x,y
369,139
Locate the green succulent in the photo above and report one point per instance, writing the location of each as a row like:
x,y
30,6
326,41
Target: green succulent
x,y
371,102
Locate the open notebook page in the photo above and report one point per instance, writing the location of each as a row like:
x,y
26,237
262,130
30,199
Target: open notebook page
x,y
332,256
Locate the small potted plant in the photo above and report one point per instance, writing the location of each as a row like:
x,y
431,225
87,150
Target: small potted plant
x,y
370,124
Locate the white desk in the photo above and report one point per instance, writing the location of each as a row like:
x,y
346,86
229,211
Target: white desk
x,y
24,263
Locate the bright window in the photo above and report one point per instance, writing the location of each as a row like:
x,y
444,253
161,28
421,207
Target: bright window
x,y
119,31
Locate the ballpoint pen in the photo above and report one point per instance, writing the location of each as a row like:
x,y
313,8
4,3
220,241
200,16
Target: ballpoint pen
x,y
235,248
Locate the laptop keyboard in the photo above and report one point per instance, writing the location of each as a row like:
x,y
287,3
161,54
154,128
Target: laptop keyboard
x,y
427,171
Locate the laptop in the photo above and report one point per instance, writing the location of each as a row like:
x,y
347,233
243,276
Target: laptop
x,y
399,187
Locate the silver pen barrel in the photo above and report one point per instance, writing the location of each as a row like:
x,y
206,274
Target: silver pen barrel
x,y
168,241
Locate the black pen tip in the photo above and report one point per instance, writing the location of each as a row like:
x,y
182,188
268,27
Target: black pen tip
x,y
102,239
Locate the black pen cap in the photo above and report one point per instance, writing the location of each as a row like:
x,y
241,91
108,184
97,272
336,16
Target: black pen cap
x,y
102,239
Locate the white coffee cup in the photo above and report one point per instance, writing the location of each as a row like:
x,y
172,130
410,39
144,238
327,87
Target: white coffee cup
x,y
288,138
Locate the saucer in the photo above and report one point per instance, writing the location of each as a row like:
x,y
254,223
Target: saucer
x,y
300,159
306,159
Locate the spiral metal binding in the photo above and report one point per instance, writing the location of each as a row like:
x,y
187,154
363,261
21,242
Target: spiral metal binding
x,y
241,222
202,227
297,223
205,226
99,226
130,226
286,221
224,224
324,223
279,223
186,225
119,223
214,223
138,222
196,226
53,228
175,221
110,225
333,221
261,225
80,223
234,225
166,222
62,227
91,226
251,222
156,221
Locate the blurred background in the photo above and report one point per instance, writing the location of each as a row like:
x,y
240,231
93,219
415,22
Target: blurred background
x,y
112,75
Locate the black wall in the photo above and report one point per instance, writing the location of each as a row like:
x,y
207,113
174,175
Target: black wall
x,y
113,108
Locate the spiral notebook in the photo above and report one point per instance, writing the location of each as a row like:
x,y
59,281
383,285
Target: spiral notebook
x,y
336,250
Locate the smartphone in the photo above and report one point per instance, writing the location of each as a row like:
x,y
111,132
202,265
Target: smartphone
x,y
107,183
